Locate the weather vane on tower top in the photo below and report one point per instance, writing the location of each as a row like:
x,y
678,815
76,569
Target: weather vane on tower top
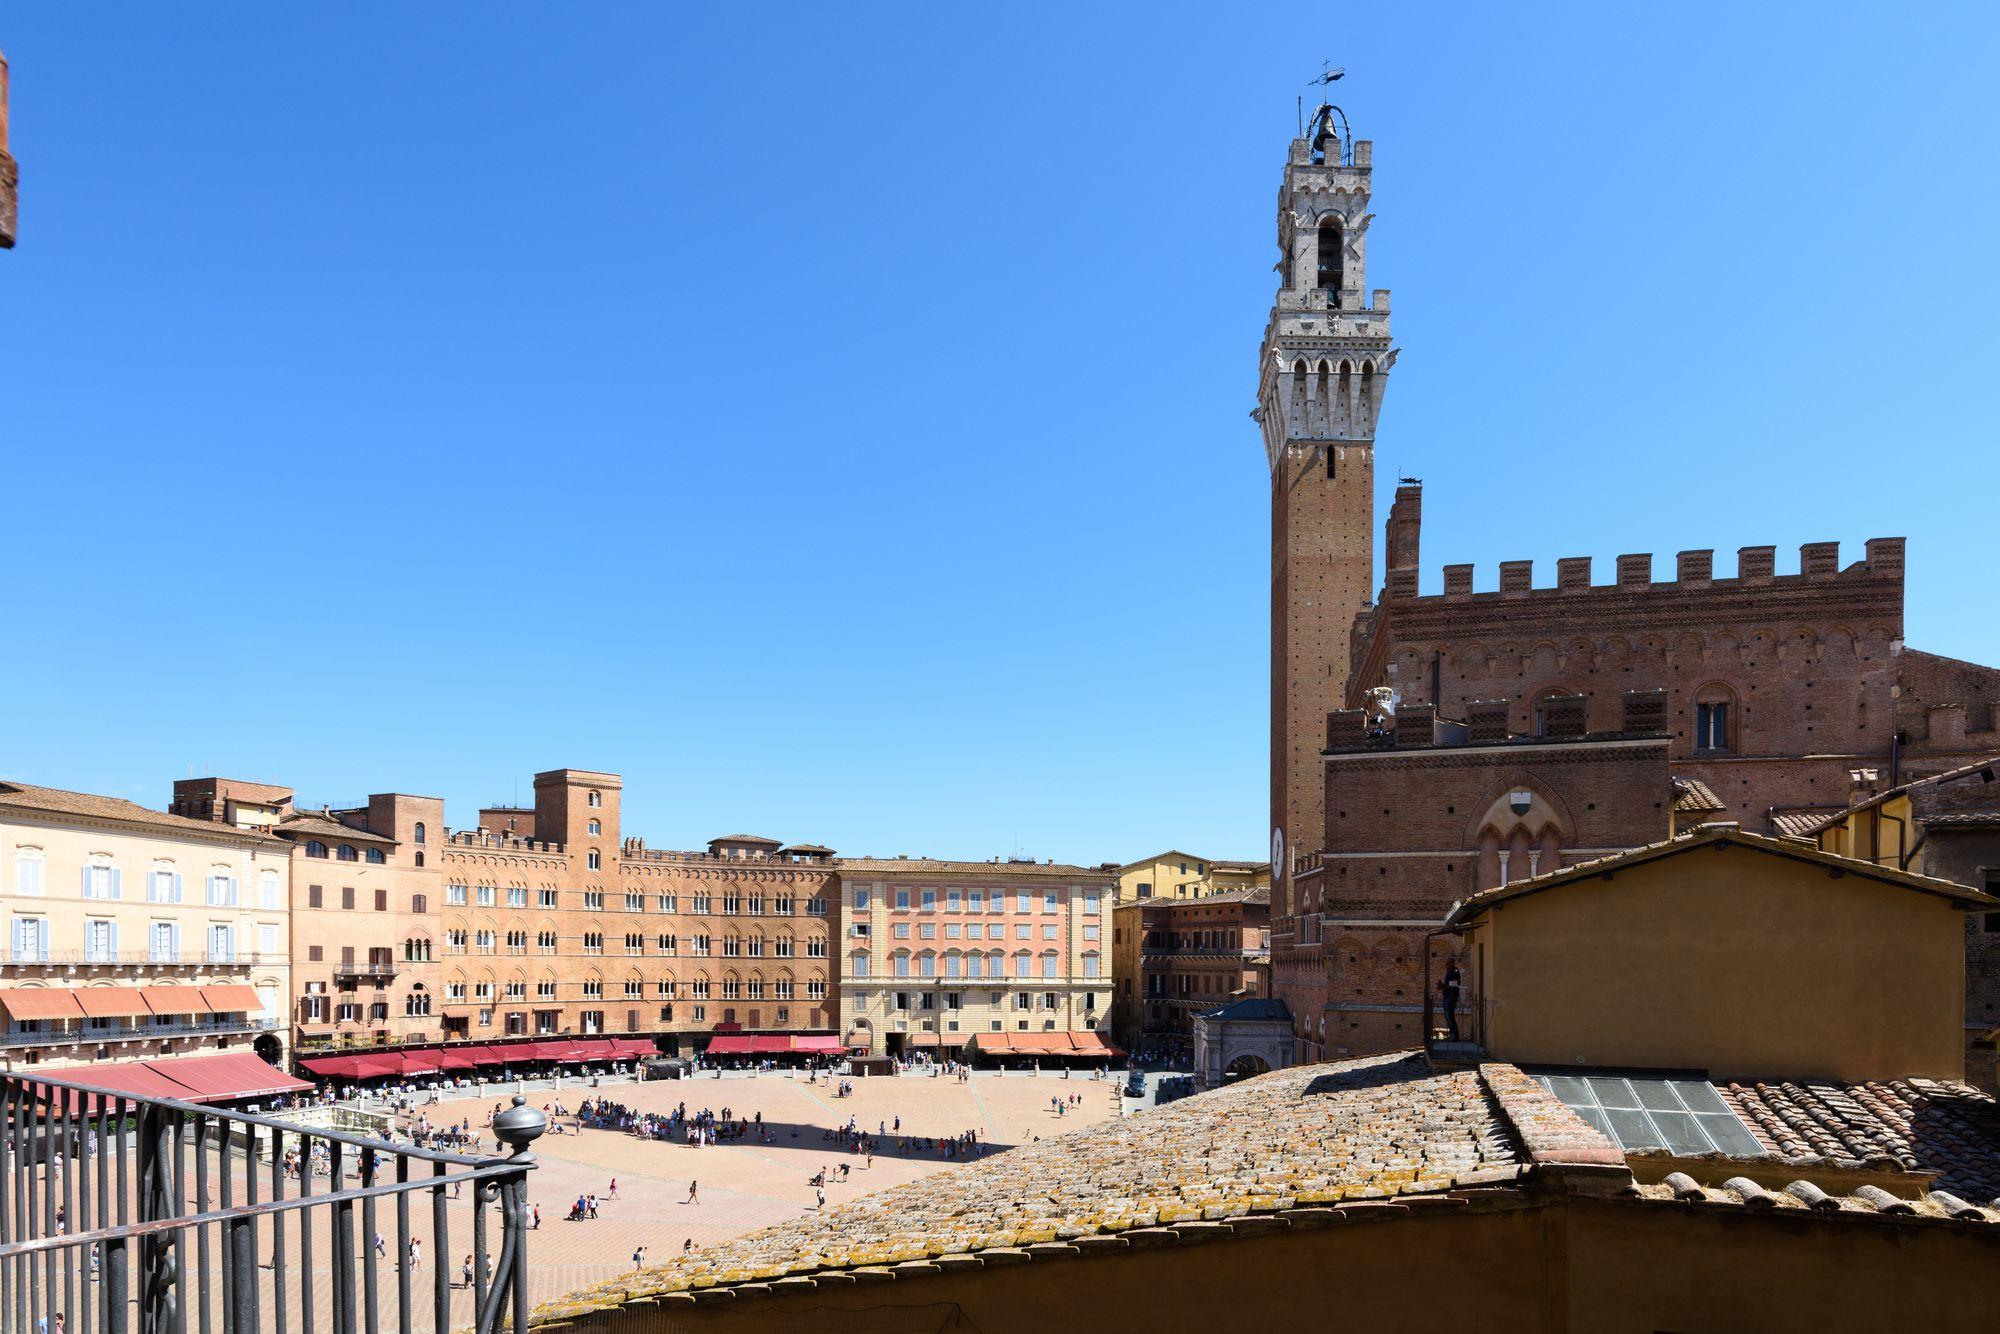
x,y
1322,124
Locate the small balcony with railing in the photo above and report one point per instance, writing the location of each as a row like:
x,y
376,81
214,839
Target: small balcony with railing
x,y
125,1214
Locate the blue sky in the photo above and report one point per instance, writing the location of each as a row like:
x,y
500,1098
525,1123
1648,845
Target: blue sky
x,y
836,422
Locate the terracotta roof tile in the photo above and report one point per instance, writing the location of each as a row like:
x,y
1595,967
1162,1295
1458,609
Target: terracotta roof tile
x,y
1691,795
1372,1129
1913,1125
992,870
311,824
56,801
1799,823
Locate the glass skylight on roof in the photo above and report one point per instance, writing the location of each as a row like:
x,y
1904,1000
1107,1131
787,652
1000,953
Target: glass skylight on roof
x,y
1647,1114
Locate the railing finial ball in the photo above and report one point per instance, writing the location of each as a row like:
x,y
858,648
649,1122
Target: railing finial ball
x,y
520,1125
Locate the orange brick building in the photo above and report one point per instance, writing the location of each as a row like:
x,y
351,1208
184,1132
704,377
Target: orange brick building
x,y
541,921
1176,957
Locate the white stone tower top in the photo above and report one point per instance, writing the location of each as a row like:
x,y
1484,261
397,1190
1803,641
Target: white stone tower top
x,y
1326,353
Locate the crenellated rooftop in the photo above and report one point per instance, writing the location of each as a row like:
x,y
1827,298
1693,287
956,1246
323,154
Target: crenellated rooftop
x,y
1756,567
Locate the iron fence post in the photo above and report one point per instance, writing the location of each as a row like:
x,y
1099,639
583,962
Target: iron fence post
x,y
159,1260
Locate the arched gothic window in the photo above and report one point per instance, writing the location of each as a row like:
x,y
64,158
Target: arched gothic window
x,y
1331,266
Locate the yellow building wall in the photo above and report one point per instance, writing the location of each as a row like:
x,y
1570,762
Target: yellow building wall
x,y
1200,878
1605,1267
1881,834
1734,962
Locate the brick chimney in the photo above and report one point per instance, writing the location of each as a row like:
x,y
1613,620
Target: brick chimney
x,y
1565,716
1486,720
1645,713
1346,729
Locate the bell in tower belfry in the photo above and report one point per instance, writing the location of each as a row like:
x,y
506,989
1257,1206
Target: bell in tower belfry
x,y
1323,368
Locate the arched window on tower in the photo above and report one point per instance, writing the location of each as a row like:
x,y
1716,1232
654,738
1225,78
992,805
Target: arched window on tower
x,y
1331,253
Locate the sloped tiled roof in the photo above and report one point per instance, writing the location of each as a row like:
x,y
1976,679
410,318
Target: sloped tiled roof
x,y
1251,1008
1303,1147
311,824
1692,796
57,801
1706,836
1949,775
1910,1125
1358,1130
1799,823
985,870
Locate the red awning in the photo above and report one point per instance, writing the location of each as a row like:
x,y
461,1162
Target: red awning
x,y
594,1049
484,1055
136,1078
111,1002
731,1044
635,1047
817,1042
175,1000
233,997
547,1051
923,1039
24,1003
331,1067
377,1064
422,1061
227,1076
449,1059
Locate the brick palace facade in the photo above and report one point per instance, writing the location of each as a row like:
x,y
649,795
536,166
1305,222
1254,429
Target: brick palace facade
x,y
1406,729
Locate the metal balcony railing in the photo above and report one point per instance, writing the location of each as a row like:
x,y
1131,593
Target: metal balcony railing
x,y
54,1036
136,958
374,969
121,1214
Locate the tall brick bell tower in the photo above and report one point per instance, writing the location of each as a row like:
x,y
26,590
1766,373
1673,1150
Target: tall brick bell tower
x,y
1322,371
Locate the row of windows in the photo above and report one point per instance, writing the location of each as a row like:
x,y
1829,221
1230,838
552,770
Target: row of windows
x,y
955,1000
970,931
486,940
100,879
975,900
990,964
701,905
457,991
33,941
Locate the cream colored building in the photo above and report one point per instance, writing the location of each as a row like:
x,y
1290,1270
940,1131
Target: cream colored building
x,y
937,953
134,934
1182,875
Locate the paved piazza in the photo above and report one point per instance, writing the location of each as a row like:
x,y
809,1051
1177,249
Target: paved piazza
x,y
746,1185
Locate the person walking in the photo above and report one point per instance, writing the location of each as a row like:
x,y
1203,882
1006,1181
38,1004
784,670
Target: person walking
x,y
694,1193
381,1245
612,1193
465,1272
822,1197
415,1257
638,1257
